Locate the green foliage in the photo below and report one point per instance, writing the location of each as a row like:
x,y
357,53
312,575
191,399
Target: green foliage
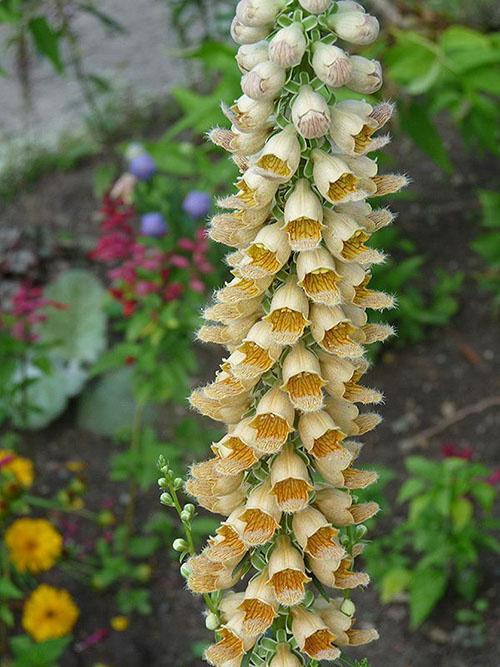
x,y
440,542
458,72
488,243
416,311
28,653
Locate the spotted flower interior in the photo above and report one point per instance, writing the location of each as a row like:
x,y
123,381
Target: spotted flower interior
x,y
280,568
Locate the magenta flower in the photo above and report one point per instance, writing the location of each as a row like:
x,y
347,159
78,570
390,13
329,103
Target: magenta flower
x,y
450,450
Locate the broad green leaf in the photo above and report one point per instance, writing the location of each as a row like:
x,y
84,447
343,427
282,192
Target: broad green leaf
x,y
394,583
427,587
462,512
78,329
411,488
46,40
490,202
415,120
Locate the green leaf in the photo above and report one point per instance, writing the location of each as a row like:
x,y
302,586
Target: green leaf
x,y
427,587
394,583
9,591
28,653
490,203
416,121
462,512
46,41
411,488
78,330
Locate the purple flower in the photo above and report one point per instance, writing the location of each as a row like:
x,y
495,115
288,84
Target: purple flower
x,y
197,204
153,224
142,167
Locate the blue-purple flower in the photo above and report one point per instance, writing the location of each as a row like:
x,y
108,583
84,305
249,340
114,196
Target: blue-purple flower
x,y
142,166
154,225
197,204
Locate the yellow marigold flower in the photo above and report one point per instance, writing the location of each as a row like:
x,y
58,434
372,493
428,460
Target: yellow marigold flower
x,y
49,613
119,623
20,467
34,545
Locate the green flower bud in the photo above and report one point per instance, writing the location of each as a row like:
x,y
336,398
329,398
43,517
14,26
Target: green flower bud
x,y
180,544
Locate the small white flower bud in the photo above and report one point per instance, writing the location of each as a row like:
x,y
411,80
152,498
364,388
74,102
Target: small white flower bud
x,y
243,34
179,544
185,570
331,65
366,76
315,6
349,6
347,607
310,114
355,27
250,55
288,46
211,621
255,13
264,82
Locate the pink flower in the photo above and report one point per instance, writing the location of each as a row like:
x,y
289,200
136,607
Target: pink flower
x,y
173,291
494,478
186,244
179,261
196,285
145,287
450,450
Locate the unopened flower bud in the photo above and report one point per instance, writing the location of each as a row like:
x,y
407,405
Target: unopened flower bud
x,y
355,26
310,114
250,55
264,81
348,607
166,499
243,34
349,6
256,13
211,621
366,75
185,570
331,65
179,544
185,516
315,6
288,46
178,482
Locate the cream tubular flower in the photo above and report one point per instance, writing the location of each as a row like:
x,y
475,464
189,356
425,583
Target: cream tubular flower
x,y
352,126
290,481
310,114
331,65
234,643
302,379
338,508
248,115
264,81
258,12
315,535
235,141
266,255
337,181
259,605
261,515
273,421
346,239
313,636
366,76
287,573
280,156
250,55
256,355
288,46
339,617
244,34
285,658
323,439
315,6
303,217
254,191
318,276
353,25
288,313
334,331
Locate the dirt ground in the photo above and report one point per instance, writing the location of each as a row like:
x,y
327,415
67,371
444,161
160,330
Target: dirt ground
x,y
453,368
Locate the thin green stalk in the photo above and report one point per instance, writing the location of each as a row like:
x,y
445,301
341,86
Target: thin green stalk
x,y
44,503
135,446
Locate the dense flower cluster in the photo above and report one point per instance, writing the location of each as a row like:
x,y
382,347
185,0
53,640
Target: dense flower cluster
x,y
294,322
143,269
